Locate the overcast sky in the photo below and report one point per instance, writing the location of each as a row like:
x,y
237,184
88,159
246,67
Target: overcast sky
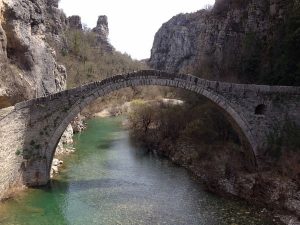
x,y
132,23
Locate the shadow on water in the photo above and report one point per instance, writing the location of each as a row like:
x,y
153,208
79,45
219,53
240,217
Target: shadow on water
x,y
85,185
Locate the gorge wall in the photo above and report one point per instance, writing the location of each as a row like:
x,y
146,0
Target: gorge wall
x,y
31,34
249,41
239,41
102,31
28,67
29,31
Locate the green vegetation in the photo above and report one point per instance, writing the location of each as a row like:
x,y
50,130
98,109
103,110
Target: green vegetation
x,y
19,152
32,142
285,52
264,57
199,135
200,123
87,61
285,138
284,148
275,60
196,134
272,60
251,58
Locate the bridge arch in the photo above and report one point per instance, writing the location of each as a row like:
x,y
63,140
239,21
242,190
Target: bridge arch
x,y
30,130
253,109
208,89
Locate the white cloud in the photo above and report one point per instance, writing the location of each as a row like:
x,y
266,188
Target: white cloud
x,y
132,23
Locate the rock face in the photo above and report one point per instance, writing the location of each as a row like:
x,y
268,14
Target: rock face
x,y
102,27
28,69
75,22
102,32
175,44
56,22
217,42
3,39
28,65
65,144
78,124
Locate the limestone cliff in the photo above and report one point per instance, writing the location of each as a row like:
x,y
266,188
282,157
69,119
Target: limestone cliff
x,y
234,40
75,22
30,30
28,65
102,32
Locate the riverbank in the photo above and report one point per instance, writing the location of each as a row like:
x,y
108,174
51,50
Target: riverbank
x,y
126,107
108,181
200,138
268,189
252,187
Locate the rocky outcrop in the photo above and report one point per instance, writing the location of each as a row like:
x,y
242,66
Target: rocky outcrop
x,y
28,68
78,124
175,43
56,163
55,21
228,42
75,22
65,144
28,65
3,39
102,32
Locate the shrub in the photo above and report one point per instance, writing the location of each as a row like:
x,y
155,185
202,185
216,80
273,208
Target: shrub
x,y
284,138
87,60
19,152
197,124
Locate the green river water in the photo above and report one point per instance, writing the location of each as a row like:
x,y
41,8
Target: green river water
x,y
110,182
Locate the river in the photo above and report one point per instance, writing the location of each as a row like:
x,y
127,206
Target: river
x,y
109,181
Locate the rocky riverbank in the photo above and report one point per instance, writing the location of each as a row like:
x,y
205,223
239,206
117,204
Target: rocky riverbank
x,y
65,145
199,137
269,189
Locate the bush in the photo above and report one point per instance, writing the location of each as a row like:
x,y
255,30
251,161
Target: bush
x,y
284,138
87,60
141,117
197,124
264,57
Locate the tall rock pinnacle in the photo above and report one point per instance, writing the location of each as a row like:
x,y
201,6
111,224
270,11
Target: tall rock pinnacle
x,y
75,22
102,32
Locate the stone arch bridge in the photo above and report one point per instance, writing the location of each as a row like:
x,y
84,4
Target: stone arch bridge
x,y
31,130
